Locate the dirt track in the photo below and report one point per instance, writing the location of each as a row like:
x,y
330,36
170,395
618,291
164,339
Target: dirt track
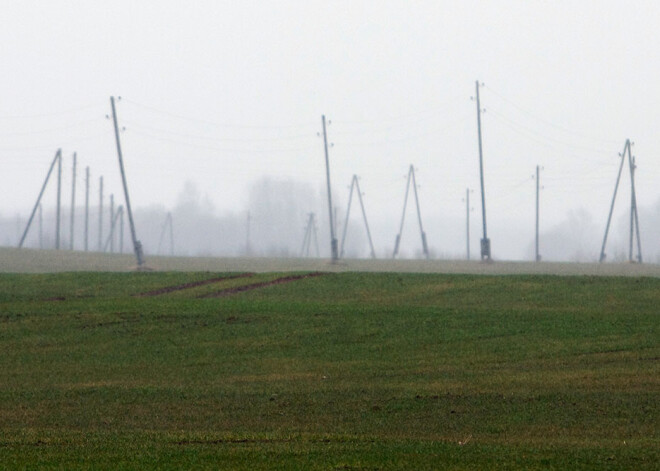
x,y
34,261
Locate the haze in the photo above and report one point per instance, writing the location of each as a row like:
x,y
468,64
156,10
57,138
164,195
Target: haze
x,y
222,103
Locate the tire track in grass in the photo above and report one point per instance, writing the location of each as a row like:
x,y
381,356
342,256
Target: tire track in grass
x,y
194,284
262,284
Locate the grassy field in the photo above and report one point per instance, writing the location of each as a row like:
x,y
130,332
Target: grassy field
x,y
340,371
14,260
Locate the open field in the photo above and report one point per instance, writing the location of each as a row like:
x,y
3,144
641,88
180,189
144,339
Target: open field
x,y
174,370
35,261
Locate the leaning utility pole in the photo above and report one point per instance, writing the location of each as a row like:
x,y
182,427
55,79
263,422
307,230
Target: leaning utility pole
x,y
86,208
419,215
485,241
634,219
73,200
411,177
355,184
110,241
58,156
538,255
310,231
333,239
59,203
137,245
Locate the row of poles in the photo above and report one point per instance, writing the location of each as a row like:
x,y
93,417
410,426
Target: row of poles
x,y
335,254
485,244
485,241
115,216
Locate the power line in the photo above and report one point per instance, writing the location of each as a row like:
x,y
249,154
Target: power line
x,y
67,142
514,125
387,140
203,121
403,117
548,123
56,113
132,125
269,150
52,130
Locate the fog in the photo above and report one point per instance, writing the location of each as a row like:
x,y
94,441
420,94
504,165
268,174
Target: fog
x,y
220,119
275,219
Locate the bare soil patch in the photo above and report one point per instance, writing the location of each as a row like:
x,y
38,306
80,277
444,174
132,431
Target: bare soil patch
x,y
195,284
277,281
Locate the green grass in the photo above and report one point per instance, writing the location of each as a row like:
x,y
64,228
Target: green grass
x,y
341,371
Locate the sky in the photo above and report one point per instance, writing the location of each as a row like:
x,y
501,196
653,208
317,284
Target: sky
x,y
221,94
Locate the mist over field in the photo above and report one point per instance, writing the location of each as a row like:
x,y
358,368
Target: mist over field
x,y
227,113
274,221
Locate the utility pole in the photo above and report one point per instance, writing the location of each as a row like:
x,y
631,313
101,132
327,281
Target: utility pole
x,y
73,200
112,223
110,241
616,188
310,231
333,239
364,216
57,158
356,185
485,241
101,213
411,178
86,208
538,178
634,218
137,245
419,217
59,203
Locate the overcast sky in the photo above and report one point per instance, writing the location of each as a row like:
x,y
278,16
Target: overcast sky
x,y
221,93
